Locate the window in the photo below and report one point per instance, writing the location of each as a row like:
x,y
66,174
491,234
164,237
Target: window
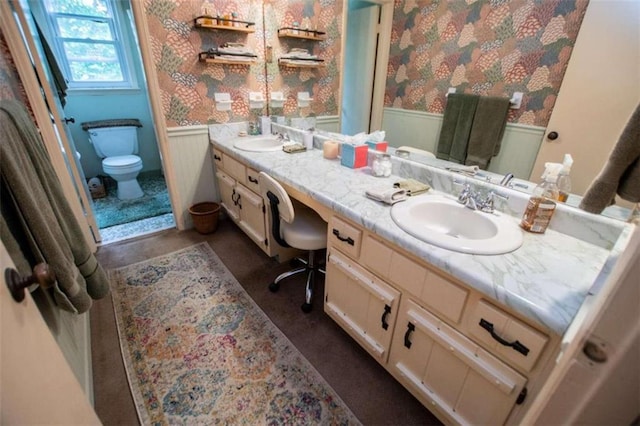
x,y
89,43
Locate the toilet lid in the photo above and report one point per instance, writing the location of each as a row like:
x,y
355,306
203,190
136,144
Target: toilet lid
x,y
121,161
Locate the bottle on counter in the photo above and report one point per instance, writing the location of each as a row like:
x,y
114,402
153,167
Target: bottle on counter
x,y
564,180
542,203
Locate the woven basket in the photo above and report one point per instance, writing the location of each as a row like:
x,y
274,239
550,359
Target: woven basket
x,y
205,217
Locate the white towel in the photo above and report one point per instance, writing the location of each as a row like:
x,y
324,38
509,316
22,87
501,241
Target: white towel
x,y
387,195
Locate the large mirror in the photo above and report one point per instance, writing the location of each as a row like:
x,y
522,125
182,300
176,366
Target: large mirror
x,y
517,47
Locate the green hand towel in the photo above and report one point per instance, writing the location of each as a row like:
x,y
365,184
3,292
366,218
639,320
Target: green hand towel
x,y
621,173
456,127
487,130
48,225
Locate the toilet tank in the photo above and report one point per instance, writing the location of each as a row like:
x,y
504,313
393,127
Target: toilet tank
x,y
114,141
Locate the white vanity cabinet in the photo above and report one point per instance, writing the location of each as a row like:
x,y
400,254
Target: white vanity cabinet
x,y
466,359
244,206
242,200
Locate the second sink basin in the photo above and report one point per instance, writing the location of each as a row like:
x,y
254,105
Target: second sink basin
x,y
445,223
258,143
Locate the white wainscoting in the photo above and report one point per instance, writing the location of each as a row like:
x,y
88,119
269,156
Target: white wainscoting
x,y
193,171
329,123
518,152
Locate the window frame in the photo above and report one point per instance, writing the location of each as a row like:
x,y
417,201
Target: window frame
x,y
119,42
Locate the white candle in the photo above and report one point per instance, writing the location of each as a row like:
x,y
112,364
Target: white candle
x,y
330,149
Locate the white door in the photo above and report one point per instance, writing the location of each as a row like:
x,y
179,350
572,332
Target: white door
x,y
599,92
37,385
34,48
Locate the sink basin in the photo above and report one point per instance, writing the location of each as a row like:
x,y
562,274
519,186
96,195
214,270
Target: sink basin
x,y
445,223
258,143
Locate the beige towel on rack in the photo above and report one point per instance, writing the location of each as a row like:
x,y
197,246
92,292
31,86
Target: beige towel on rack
x,y
49,229
621,173
487,130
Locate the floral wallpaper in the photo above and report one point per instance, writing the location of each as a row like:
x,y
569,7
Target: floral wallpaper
x,y
323,84
10,84
188,85
489,48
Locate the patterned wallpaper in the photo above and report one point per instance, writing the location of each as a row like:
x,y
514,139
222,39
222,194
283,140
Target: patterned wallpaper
x,y
323,84
489,48
188,86
10,84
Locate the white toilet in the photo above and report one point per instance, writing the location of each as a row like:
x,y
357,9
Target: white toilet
x,y
117,146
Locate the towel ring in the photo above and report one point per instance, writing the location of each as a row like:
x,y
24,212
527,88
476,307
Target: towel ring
x,y
42,275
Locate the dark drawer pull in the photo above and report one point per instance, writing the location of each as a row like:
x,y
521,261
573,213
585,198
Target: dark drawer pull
x,y
347,240
410,329
517,346
252,179
387,311
215,157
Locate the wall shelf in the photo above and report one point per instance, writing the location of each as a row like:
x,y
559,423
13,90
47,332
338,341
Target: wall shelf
x,y
292,32
210,58
285,62
217,23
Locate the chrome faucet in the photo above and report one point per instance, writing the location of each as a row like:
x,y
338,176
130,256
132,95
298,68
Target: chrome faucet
x,y
474,201
506,179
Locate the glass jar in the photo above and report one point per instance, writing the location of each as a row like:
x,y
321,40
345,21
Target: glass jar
x,y
381,166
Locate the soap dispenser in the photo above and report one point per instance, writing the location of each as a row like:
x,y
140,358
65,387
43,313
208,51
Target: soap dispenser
x,y
542,205
564,181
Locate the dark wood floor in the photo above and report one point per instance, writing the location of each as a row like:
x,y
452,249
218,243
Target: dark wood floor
x,y
371,393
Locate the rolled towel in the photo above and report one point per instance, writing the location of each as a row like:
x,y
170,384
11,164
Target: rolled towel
x,y
387,195
467,170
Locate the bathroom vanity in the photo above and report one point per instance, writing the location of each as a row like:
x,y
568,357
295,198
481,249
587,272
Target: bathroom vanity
x,y
473,337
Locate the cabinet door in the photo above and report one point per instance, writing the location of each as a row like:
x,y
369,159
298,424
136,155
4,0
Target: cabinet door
x,y
228,195
362,304
252,215
449,372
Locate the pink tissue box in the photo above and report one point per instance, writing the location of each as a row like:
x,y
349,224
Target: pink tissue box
x,y
379,146
354,156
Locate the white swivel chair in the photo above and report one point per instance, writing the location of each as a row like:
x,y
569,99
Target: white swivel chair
x,y
300,228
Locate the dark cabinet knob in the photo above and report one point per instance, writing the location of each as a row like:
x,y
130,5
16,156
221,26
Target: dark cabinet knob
x,y
552,136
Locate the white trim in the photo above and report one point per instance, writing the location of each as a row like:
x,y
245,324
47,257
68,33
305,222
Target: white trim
x,y
382,59
188,130
31,86
155,101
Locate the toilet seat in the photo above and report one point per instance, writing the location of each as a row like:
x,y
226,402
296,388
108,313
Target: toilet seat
x,y
122,161
122,164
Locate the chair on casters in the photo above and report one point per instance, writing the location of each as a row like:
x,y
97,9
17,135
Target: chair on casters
x,y
301,228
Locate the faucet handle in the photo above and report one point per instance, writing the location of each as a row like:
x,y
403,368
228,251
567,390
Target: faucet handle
x,y
487,205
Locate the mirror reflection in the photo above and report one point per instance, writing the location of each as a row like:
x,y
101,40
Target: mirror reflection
x,y
499,50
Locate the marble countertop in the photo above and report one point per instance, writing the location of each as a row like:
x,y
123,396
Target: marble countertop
x,y
546,279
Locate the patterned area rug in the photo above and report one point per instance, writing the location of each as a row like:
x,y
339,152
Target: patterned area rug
x,y
111,211
198,350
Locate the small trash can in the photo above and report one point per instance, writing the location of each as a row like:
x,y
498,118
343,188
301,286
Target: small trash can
x,y
205,217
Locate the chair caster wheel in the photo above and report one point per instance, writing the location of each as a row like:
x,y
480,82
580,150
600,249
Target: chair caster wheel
x,y
306,307
274,287
295,262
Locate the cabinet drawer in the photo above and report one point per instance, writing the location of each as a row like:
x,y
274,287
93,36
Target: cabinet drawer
x,y
428,287
512,340
252,180
345,237
362,304
234,168
448,371
217,158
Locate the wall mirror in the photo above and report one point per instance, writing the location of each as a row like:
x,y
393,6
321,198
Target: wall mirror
x,y
496,51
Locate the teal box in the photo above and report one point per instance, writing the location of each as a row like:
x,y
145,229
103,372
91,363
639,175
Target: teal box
x,y
354,156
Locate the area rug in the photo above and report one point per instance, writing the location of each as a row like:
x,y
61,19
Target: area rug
x,y
111,211
198,350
